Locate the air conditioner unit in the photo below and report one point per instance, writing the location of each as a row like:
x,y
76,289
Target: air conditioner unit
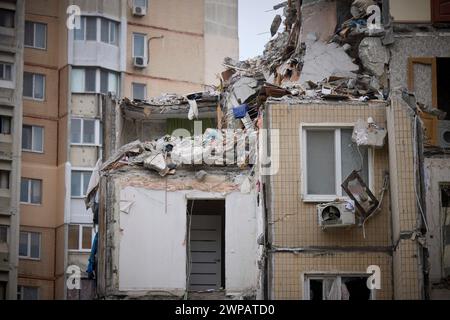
x,y
139,62
336,214
139,11
444,133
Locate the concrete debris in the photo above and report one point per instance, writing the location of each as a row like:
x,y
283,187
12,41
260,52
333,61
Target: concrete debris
x,y
374,56
359,8
368,133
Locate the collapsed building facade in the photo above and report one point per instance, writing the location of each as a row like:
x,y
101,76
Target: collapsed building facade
x,y
318,170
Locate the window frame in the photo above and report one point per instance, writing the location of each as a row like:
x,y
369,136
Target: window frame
x,y
337,127
28,202
79,169
111,24
96,128
146,4
80,237
3,65
133,55
32,139
83,26
13,12
34,35
20,292
6,227
8,173
338,276
139,83
28,256
33,86
3,119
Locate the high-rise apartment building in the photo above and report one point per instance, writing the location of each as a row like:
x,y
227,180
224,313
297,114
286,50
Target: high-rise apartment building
x,y
75,52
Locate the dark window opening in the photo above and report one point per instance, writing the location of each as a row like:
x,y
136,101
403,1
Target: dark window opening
x,y
443,85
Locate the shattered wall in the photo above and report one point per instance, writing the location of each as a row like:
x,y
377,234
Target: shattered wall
x,y
293,223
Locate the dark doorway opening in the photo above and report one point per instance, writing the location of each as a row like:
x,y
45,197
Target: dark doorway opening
x,y
443,85
206,245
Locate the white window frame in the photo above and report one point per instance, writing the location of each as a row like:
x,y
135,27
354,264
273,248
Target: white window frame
x,y
3,65
28,202
32,139
33,85
145,45
338,276
98,80
80,237
111,23
80,169
28,256
20,291
146,4
83,24
337,160
34,36
139,83
97,133
7,232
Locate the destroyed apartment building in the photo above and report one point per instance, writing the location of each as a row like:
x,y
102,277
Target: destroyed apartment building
x,y
316,171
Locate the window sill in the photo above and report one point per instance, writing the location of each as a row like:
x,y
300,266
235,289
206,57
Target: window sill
x,y
33,99
79,250
29,258
31,204
85,145
32,151
37,48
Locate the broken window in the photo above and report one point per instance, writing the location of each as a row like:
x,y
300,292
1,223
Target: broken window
x,y
139,91
30,245
80,237
32,138
30,191
5,125
35,35
5,71
337,287
79,183
329,157
33,85
445,223
7,18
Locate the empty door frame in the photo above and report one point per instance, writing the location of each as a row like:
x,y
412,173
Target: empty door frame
x,y
205,208
431,61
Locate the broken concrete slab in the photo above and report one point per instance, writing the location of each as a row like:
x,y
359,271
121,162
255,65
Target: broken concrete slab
x,y
323,60
319,17
374,56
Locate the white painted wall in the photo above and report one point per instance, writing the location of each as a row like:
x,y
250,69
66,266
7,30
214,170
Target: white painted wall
x,y
96,53
437,171
78,212
152,252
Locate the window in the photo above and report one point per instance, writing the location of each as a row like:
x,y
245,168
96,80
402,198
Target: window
x,y
139,91
32,138
30,245
4,179
3,234
5,71
35,35
31,191
140,3
337,287
27,293
79,183
109,31
84,80
329,156
80,237
7,18
139,49
33,85
85,131
5,125
87,30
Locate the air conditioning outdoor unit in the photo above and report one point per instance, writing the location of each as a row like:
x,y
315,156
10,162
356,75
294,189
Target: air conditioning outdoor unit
x,y
444,134
139,11
336,214
139,62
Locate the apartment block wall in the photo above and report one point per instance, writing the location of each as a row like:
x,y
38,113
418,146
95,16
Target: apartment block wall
x,y
294,224
408,273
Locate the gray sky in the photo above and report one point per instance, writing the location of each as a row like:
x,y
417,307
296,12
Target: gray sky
x,y
253,20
